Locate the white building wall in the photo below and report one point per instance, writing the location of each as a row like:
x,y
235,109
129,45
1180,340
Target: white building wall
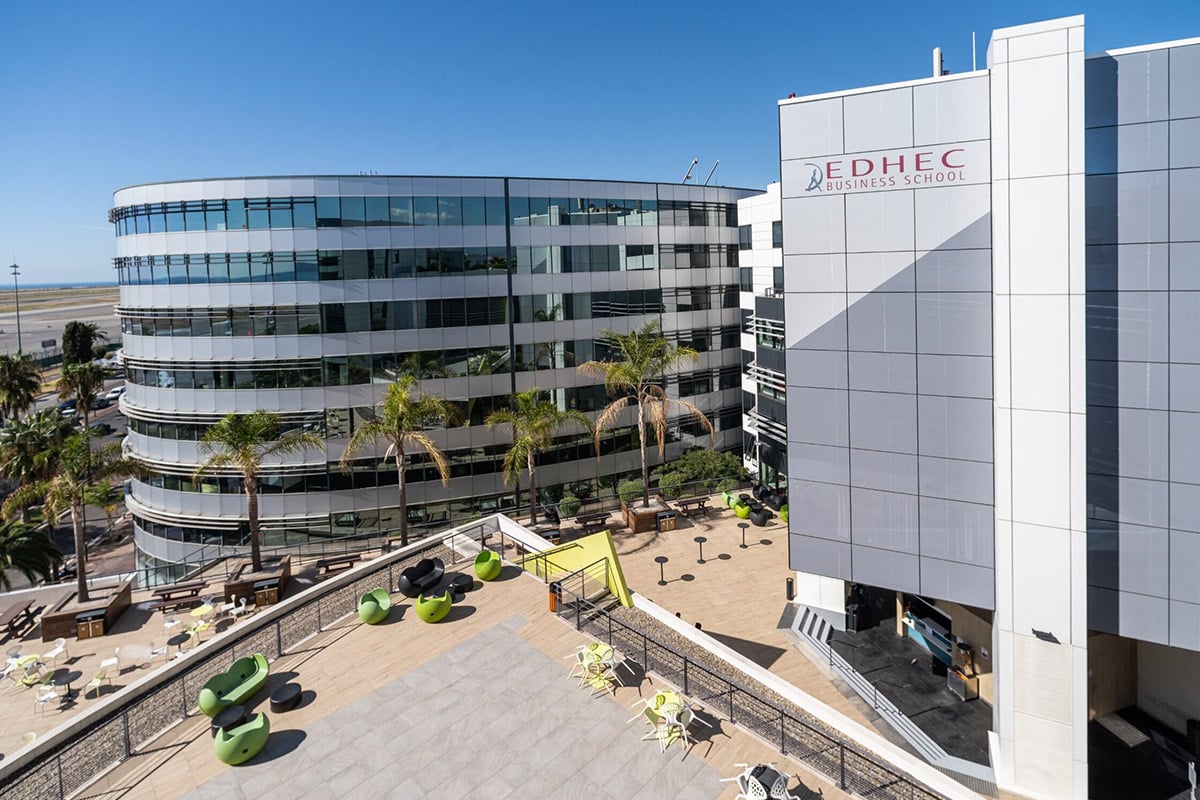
x,y
1037,94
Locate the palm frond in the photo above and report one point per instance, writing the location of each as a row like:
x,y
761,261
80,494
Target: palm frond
x,y
426,442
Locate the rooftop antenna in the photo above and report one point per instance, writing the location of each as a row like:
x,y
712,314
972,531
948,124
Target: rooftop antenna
x,y
939,68
973,66
711,171
688,175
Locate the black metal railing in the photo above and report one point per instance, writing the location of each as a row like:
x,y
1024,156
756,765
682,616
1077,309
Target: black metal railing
x,y
65,762
726,695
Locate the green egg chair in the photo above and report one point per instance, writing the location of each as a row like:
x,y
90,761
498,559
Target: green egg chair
x,y
373,606
487,565
783,513
235,745
742,509
235,685
434,609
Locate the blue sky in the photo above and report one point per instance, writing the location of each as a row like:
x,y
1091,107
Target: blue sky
x,y
97,96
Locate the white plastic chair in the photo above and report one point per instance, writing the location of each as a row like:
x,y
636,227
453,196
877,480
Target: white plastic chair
x,y
45,695
101,676
171,622
237,608
752,786
59,649
155,652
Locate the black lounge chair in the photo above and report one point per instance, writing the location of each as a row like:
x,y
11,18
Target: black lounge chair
x,y
421,578
761,517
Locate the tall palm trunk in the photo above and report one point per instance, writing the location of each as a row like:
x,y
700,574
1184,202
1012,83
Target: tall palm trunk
x,y
81,586
642,441
251,485
532,489
402,486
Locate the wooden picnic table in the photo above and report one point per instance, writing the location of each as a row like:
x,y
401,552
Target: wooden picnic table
x,y
188,589
17,616
592,522
331,563
700,502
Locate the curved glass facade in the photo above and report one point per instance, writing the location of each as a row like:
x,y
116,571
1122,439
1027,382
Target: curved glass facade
x,y
308,295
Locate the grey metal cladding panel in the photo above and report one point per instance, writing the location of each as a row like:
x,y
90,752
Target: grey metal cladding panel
x,y
954,271
951,111
1142,617
1185,265
818,416
1100,91
1128,500
880,272
949,479
816,462
1101,262
958,583
877,221
1185,508
1103,609
1185,625
886,569
1185,205
1185,454
883,322
822,369
884,519
890,472
960,532
769,308
958,376
1142,86
1143,443
883,372
815,321
821,510
880,120
810,129
1144,560
883,421
1185,566
1127,148
1184,88
1142,206
954,323
1142,333
955,427
1100,220
819,556
1142,267
1103,554
1185,142
1185,327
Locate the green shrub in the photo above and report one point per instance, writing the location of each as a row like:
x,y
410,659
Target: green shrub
x,y
629,490
671,484
727,485
569,505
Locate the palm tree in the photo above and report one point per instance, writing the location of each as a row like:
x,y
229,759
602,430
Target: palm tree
x,y
20,382
646,356
26,551
81,381
401,419
82,478
240,442
533,421
29,447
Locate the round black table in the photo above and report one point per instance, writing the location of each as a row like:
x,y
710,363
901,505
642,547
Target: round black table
x,y
228,718
179,640
700,540
65,677
662,581
460,584
743,526
285,698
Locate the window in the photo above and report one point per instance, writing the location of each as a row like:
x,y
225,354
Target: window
x,y
776,233
744,240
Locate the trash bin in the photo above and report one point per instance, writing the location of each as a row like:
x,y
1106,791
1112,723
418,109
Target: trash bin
x,y
555,597
89,624
266,593
666,521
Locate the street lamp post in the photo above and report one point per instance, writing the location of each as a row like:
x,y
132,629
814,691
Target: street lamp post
x,y
17,304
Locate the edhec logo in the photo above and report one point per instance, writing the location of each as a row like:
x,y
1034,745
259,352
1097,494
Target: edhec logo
x,y
816,178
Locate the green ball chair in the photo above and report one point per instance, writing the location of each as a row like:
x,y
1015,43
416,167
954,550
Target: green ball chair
x,y
729,498
235,685
741,509
242,743
434,609
373,606
783,514
487,565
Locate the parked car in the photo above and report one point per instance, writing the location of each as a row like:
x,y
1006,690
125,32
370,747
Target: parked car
x,y
69,408
100,401
100,429
115,392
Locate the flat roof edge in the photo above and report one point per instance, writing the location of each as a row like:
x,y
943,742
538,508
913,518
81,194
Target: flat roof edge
x,y
882,87
1143,48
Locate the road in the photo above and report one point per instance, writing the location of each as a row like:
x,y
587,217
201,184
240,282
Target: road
x,y
38,325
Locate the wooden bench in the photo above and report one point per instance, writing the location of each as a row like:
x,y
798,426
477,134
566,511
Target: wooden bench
x,y
17,616
685,506
592,522
173,603
334,563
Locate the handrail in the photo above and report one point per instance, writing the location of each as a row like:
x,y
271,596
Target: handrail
x,y
826,751
82,748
